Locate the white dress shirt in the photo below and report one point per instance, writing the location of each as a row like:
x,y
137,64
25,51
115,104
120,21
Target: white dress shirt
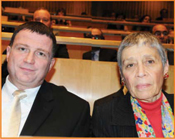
x,y
96,55
7,99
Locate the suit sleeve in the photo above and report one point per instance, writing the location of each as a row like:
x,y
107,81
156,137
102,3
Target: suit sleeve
x,y
114,56
83,125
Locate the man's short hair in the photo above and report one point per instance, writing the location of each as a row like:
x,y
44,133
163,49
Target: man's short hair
x,y
39,28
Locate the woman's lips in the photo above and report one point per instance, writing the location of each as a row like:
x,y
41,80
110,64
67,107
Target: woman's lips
x,y
142,86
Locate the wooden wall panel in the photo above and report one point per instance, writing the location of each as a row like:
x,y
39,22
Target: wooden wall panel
x,y
72,7
132,8
129,8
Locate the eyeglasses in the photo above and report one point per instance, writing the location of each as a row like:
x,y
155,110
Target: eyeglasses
x,y
97,37
44,20
158,33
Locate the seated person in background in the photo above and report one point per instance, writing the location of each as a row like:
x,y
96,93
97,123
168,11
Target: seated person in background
x,y
62,12
46,109
162,33
97,53
143,19
146,110
163,15
42,15
119,17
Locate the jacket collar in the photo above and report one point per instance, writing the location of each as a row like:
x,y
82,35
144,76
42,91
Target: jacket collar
x,y
41,108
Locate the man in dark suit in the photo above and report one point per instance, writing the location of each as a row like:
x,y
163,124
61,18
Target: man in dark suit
x,y
46,109
97,53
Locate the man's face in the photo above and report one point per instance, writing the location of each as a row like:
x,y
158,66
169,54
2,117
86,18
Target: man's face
x,y
29,59
96,34
161,32
42,16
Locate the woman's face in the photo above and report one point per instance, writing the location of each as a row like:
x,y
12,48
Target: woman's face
x,y
146,19
143,72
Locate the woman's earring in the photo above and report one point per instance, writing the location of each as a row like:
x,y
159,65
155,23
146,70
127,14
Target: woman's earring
x,y
123,83
166,76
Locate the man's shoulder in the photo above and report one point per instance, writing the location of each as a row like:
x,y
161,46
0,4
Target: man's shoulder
x,y
60,92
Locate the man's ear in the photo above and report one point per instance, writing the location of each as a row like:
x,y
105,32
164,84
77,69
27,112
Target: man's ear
x,y
8,49
52,63
166,67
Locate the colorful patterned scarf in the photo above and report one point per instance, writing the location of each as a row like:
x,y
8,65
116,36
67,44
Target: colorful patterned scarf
x,y
143,126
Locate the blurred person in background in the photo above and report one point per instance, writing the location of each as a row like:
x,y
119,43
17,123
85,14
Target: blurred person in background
x,y
97,53
62,12
162,33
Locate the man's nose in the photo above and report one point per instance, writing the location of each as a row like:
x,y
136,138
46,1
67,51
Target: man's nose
x,y
41,20
162,36
29,58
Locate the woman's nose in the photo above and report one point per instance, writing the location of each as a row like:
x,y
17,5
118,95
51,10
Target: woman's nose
x,y
141,71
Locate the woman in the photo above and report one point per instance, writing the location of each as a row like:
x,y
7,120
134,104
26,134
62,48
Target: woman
x,y
143,19
146,110
62,12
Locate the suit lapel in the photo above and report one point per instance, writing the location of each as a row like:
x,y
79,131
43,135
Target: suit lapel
x,y
101,55
122,113
123,121
41,108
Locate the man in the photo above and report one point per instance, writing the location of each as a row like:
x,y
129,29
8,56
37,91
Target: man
x,y
46,109
162,33
97,53
42,15
163,15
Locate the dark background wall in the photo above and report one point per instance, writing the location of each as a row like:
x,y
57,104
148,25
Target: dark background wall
x,y
98,8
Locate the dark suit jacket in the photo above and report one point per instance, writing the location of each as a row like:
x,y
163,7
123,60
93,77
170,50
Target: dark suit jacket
x,y
62,51
57,112
104,55
114,117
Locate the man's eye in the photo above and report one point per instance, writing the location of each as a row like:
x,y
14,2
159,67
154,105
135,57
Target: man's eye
x,y
22,49
45,20
37,20
41,54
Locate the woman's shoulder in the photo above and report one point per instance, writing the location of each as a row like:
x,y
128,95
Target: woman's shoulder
x,y
170,98
110,98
